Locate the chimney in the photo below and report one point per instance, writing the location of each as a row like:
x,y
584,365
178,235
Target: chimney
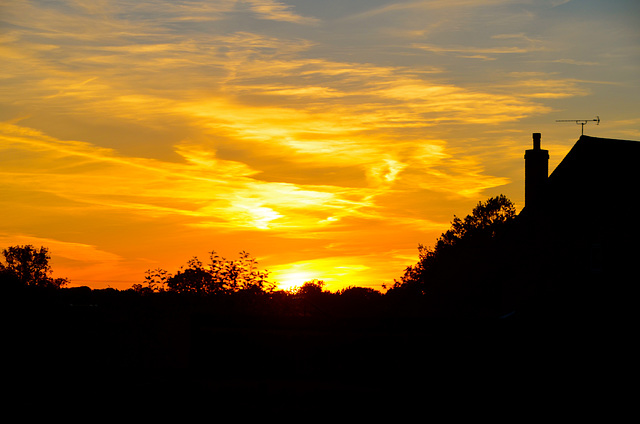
x,y
536,172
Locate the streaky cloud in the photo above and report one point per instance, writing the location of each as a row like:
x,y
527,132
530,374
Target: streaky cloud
x,y
65,249
278,11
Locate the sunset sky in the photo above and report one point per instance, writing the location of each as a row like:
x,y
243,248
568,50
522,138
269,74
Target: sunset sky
x,y
327,138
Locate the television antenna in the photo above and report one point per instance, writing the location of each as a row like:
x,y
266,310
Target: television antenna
x,y
582,122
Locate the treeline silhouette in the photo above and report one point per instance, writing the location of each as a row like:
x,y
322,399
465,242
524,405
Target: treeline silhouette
x,y
222,321
462,276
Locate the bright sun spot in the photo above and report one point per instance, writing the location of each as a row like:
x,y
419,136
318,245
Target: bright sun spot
x,y
288,280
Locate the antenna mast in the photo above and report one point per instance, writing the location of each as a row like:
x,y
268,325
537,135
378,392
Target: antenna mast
x,y
582,122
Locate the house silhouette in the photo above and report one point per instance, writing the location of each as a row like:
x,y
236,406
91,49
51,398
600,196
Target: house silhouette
x,y
575,243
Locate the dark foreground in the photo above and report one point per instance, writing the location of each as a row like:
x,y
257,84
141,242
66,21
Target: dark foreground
x,y
128,355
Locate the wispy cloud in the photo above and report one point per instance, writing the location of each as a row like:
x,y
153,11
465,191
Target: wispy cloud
x,y
422,5
211,191
68,250
470,51
208,119
577,62
278,11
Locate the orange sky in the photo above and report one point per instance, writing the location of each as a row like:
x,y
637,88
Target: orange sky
x,y
327,139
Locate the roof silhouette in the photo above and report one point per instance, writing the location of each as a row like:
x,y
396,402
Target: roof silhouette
x,y
591,176
579,240
593,171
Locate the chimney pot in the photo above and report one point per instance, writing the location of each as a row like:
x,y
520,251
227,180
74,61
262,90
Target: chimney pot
x,y
536,141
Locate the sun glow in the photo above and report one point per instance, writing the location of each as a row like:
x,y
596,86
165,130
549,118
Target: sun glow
x,y
289,280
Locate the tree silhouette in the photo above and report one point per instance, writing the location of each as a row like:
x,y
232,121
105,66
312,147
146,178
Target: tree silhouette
x,y
355,292
156,281
29,266
313,298
218,277
310,289
359,301
464,262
